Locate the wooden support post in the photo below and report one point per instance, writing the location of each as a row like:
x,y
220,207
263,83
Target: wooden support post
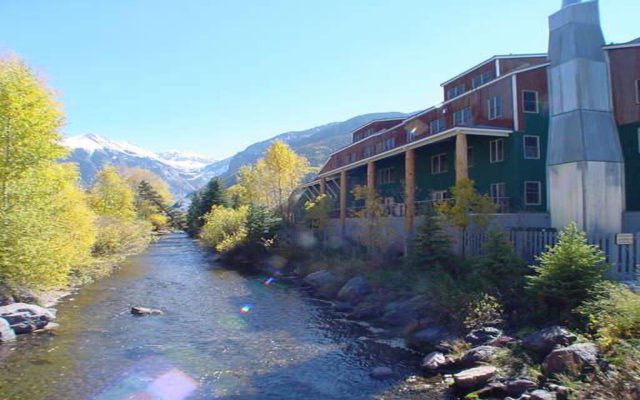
x,y
409,191
323,186
343,199
371,182
462,162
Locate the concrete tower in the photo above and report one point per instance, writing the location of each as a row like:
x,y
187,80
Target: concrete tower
x,y
585,168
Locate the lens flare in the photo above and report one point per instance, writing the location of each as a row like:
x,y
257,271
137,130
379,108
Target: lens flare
x,y
269,281
246,309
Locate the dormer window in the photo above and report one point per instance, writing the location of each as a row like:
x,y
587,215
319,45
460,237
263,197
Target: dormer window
x,y
455,91
483,78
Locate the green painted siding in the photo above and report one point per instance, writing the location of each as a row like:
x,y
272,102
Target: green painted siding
x,y
395,188
426,181
631,151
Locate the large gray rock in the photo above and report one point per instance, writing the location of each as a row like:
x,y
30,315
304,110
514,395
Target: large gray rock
x,y
474,377
324,283
478,354
366,310
144,311
517,387
355,289
571,360
403,313
483,335
26,318
6,333
428,339
545,340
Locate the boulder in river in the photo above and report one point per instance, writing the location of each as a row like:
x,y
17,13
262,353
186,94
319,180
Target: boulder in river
x,y
143,311
26,318
381,372
403,312
6,333
323,283
428,338
355,289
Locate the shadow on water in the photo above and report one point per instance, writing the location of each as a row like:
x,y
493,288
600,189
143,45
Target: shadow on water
x,y
223,336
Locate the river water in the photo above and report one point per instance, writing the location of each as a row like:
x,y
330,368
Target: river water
x,y
223,336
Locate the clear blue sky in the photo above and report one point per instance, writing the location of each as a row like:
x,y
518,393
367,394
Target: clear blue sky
x,y
215,76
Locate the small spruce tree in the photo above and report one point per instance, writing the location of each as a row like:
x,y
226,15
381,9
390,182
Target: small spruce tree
x,y
431,246
568,271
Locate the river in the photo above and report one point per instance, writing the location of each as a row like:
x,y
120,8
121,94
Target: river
x,y
223,336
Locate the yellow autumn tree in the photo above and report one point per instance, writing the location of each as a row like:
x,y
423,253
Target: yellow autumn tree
x,y
134,176
274,177
47,229
111,196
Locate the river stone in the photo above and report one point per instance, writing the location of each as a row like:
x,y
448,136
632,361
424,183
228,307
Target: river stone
x,y
427,339
355,289
474,377
324,283
478,354
142,311
366,311
542,395
343,306
381,372
517,387
6,333
48,314
571,360
403,312
434,361
545,340
483,335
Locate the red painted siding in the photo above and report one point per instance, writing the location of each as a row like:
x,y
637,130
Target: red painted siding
x,y
534,80
625,71
374,127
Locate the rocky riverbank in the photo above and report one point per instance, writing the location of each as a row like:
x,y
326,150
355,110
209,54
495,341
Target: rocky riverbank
x,y
482,363
22,318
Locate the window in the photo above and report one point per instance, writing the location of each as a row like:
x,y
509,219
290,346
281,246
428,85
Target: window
x,y
496,150
469,156
437,125
637,91
439,164
352,158
533,193
495,107
385,176
388,144
462,117
368,151
481,79
498,191
439,195
455,91
531,147
530,101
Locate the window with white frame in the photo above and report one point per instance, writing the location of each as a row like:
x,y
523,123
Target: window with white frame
x,y
637,91
495,107
481,79
470,157
388,144
462,117
439,195
498,190
455,91
437,125
368,151
531,147
385,176
496,151
439,164
530,101
533,193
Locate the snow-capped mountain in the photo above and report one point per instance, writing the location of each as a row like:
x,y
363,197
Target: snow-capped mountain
x,y
184,172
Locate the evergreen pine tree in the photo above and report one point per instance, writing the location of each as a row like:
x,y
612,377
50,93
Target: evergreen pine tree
x,y
431,246
201,203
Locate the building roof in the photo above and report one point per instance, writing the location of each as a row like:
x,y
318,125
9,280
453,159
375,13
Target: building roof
x,y
497,57
632,43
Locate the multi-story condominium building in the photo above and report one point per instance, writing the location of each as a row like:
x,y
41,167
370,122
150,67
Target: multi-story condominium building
x,y
552,138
